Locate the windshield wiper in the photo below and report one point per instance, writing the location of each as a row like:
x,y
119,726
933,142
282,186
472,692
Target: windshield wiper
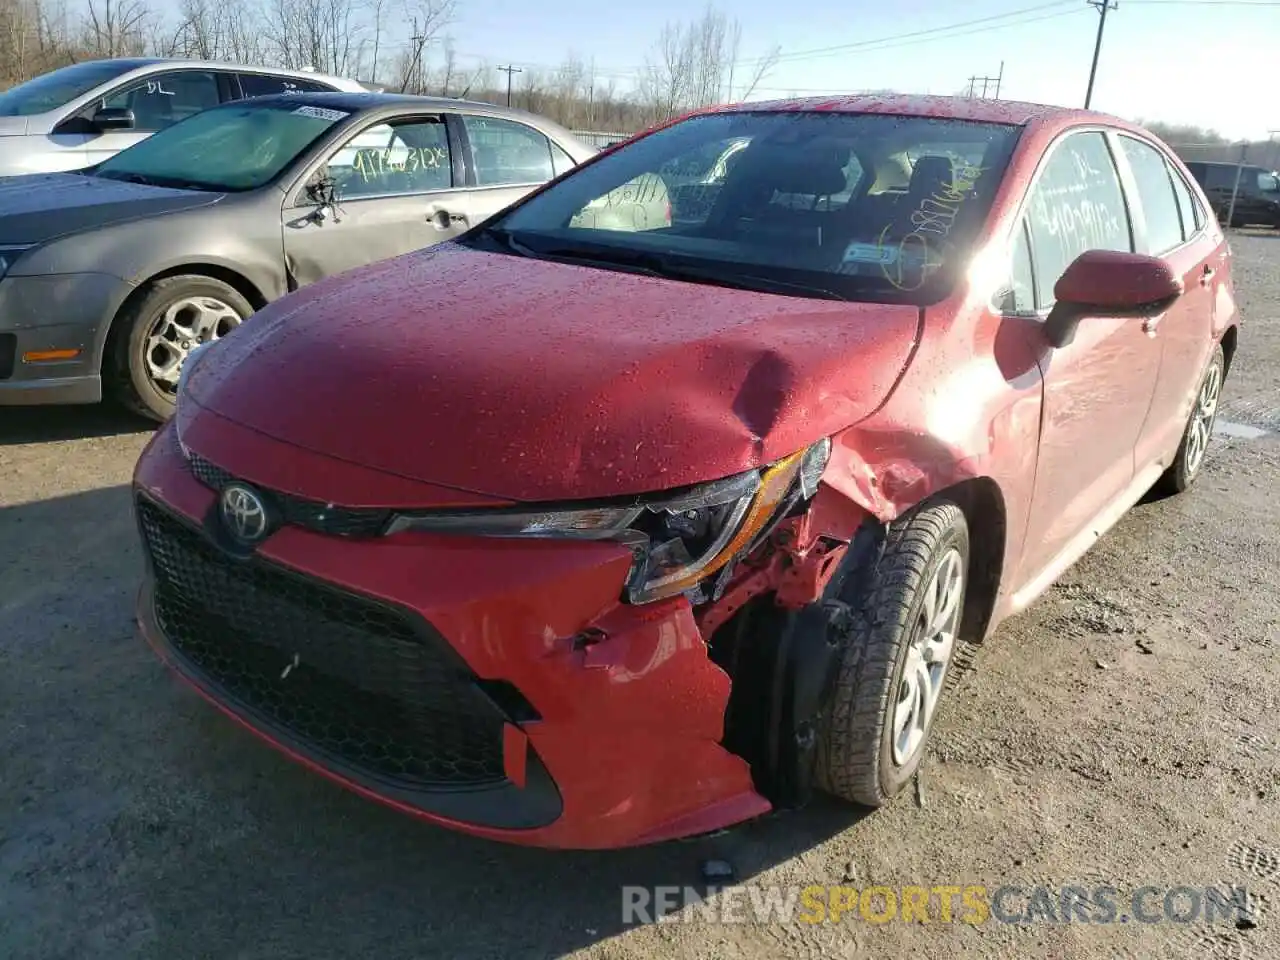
x,y
506,239
658,266
163,182
127,177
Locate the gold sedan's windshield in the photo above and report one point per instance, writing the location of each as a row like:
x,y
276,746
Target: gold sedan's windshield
x,y
240,146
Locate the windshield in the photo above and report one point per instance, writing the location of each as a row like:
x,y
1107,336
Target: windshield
x,y
240,146
857,206
52,90
1268,183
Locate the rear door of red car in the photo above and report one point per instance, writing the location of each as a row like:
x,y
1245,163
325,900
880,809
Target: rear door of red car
x,y
1168,225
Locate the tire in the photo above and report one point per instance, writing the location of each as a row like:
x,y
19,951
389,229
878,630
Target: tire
x,y
1188,462
202,306
856,750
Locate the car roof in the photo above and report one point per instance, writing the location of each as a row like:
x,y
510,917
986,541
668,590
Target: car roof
x,y
1013,112
366,102
138,63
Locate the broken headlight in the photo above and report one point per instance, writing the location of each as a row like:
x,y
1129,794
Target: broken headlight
x,y
678,541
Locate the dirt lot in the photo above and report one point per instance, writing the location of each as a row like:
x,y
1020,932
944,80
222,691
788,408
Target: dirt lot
x,y
1123,732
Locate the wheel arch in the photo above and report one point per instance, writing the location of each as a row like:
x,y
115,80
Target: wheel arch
x,y
983,505
237,281
1228,342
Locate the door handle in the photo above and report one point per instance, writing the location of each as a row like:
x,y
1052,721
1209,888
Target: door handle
x,y
1207,275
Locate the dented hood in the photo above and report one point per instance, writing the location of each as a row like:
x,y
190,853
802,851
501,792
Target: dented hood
x,y
529,380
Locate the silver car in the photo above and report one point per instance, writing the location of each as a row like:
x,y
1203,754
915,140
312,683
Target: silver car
x,y
82,114
113,275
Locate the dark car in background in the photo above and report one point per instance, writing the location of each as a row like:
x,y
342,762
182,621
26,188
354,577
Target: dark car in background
x,y
1256,189
112,275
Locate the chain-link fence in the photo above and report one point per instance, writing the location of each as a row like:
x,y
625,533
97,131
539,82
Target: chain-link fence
x,y
596,138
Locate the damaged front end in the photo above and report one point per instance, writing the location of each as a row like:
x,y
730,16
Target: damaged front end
x,y
768,560
778,630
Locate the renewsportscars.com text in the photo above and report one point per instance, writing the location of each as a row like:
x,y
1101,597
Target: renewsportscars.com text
x,y
972,904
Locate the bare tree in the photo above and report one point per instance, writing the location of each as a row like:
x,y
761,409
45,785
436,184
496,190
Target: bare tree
x,y
429,17
116,28
696,63
449,68
378,10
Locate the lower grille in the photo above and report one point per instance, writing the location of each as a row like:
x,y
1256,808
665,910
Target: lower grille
x,y
355,678
8,354
322,517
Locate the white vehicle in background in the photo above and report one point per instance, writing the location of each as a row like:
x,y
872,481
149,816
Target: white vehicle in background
x,y
80,115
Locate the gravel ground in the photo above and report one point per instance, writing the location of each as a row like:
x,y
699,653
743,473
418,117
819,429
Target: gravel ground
x,y
1122,732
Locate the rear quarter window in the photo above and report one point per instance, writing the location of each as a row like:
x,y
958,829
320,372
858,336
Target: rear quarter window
x,y
262,85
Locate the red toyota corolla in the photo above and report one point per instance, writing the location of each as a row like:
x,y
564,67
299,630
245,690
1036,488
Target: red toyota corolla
x,y
595,530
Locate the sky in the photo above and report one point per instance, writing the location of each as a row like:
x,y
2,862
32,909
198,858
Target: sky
x,y
1203,62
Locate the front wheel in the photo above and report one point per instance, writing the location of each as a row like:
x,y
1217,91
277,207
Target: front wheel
x,y
894,669
156,332
1189,460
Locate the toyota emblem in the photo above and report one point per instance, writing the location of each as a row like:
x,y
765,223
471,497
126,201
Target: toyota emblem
x,y
244,513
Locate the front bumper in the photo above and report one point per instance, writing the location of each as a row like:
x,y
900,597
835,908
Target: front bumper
x,y
608,744
64,313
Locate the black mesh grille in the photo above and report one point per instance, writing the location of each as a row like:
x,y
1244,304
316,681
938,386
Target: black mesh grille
x,y
312,514
351,676
8,354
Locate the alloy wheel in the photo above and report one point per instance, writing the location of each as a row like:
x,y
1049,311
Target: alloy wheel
x,y
1202,418
928,656
180,328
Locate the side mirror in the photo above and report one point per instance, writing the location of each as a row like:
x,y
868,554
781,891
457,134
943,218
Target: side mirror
x,y
1109,283
114,118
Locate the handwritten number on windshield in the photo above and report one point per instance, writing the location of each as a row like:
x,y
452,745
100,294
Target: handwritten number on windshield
x,y
913,259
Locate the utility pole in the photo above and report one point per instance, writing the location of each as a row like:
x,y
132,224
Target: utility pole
x,y
988,83
1231,210
509,70
1102,6
591,97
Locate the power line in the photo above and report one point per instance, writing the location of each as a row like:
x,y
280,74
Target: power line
x,y
892,38
1208,3
1102,6
930,34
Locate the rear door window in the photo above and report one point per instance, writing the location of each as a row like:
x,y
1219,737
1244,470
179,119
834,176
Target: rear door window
x,y
265,84
1076,205
507,152
1155,193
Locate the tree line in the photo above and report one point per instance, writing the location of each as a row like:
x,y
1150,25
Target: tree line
x,y
690,64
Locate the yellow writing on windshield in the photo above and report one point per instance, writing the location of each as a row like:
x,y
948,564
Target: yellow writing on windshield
x,y
908,262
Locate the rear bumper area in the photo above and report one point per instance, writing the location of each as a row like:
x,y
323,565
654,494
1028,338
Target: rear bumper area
x,y
444,678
